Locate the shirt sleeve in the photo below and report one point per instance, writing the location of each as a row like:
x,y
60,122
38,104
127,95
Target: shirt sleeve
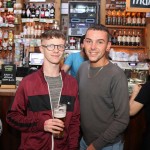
x,y
69,60
144,94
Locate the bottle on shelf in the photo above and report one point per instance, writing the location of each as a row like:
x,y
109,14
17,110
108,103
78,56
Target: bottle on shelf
x,y
143,19
133,38
10,39
119,38
5,40
139,20
32,10
42,13
47,12
28,11
138,39
128,21
114,17
119,18
109,17
124,18
52,11
114,37
9,4
23,13
124,38
129,38
37,12
133,19
1,19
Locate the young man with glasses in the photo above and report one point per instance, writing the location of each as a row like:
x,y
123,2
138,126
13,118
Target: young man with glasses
x,y
103,95
37,95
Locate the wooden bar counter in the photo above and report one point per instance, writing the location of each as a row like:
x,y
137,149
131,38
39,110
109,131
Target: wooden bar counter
x,y
10,138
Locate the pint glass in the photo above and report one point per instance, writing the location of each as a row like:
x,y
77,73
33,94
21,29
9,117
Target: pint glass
x,y
60,113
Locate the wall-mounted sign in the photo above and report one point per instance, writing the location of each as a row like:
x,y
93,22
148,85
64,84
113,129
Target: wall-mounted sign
x,y
138,5
8,76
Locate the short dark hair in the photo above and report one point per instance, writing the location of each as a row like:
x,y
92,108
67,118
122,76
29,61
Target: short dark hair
x,y
82,39
99,27
49,34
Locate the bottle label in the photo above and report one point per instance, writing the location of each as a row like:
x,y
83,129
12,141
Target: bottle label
x,y
119,38
132,39
129,20
128,39
137,39
124,39
143,21
138,20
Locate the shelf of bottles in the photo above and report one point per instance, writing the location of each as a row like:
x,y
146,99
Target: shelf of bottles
x,y
42,12
21,26
126,28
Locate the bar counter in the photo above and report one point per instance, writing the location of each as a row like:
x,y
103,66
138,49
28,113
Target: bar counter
x,y
10,138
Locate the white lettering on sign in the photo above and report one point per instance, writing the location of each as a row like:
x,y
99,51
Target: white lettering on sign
x,y
141,2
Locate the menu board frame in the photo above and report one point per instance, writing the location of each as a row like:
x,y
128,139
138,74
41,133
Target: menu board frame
x,y
132,6
8,76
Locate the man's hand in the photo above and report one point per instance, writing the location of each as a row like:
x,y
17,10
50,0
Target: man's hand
x,y
53,126
91,147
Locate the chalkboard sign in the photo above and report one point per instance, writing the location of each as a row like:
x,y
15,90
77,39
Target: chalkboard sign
x,y
138,5
8,76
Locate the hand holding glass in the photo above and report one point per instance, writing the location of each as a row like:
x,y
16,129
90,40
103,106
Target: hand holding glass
x,y
60,113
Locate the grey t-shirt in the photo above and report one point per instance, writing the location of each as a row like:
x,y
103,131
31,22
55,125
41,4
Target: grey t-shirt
x,y
104,103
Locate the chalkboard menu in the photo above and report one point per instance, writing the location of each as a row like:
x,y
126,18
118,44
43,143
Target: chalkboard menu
x,y
8,76
138,5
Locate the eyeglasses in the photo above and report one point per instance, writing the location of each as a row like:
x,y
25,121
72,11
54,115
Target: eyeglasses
x,y
51,47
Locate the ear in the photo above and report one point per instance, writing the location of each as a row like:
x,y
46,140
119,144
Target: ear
x,y
108,47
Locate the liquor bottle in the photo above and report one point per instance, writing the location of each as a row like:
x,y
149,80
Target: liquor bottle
x,y
42,15
47,12
106,18
143,19
114,17
52,11
9,4
139,21
138,39
119,38
129,38
109,18
35,31
5,40
128,18
133,38
119,18
39,31
1,19
10,39
133,19
37,12
23,14
124,38
124,18
28,11
114,37
33,11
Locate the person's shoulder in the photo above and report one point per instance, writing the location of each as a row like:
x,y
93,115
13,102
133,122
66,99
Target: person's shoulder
x,y
31,77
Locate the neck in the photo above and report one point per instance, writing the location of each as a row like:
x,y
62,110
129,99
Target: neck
x,y
51,70
99,64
